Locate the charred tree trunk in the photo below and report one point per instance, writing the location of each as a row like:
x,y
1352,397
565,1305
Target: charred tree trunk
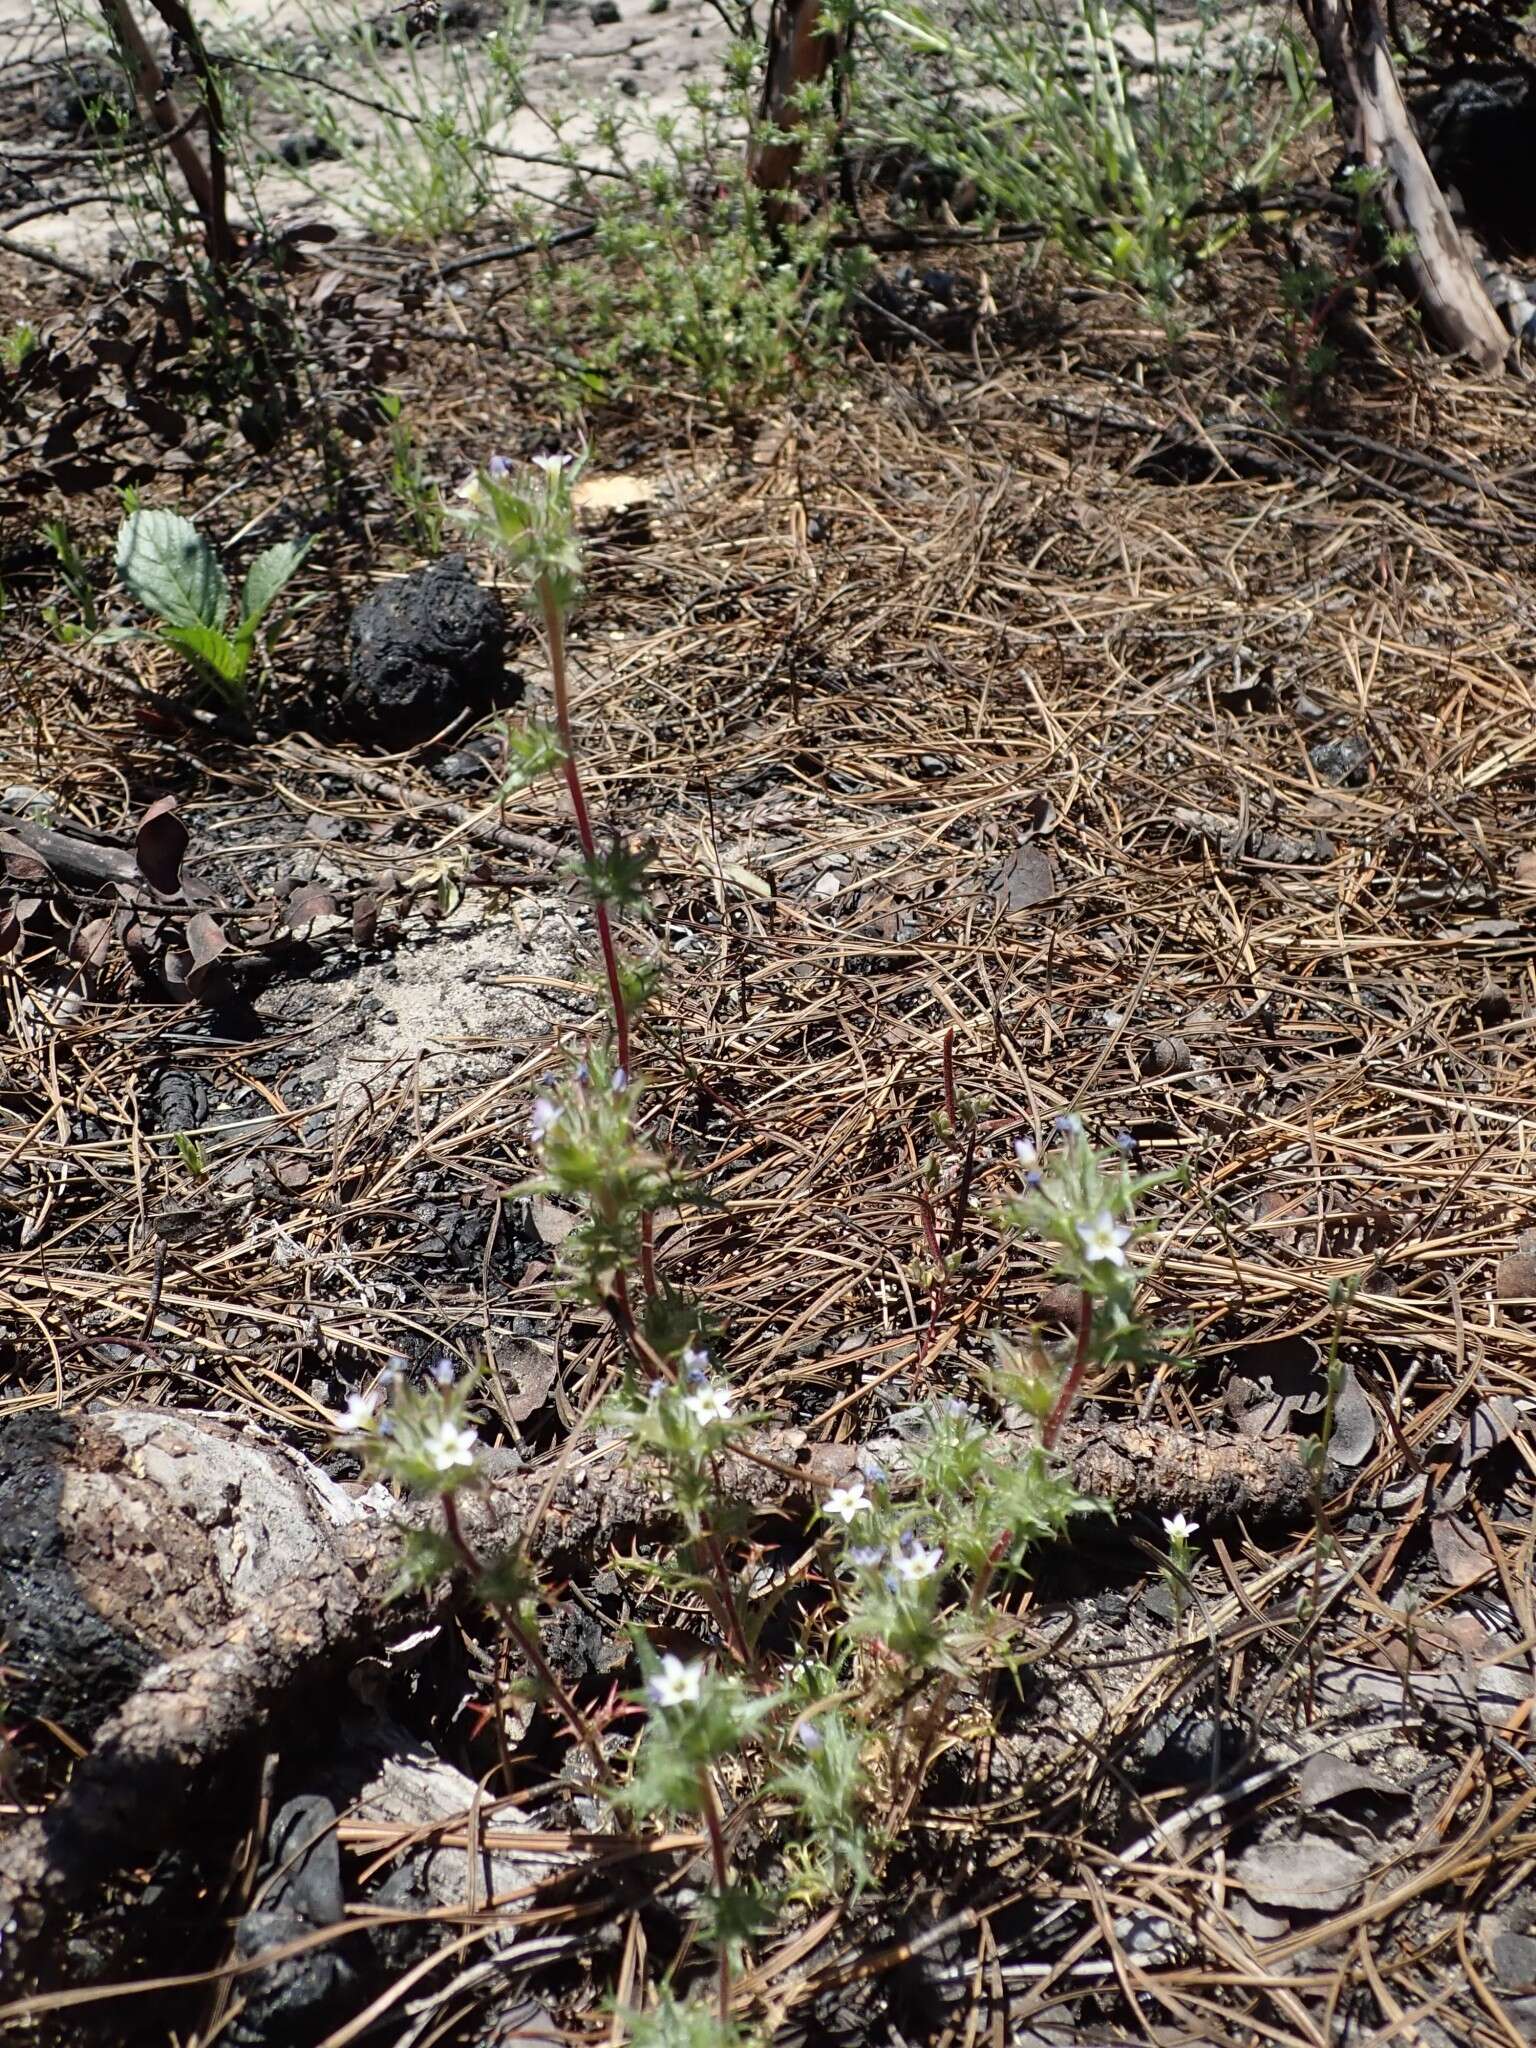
x,y
172,1585
799,55
1352,41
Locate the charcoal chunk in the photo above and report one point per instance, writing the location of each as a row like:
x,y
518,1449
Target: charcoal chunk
x,y
424,649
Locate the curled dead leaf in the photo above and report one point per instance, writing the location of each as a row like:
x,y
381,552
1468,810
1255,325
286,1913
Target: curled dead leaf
x,y
159,845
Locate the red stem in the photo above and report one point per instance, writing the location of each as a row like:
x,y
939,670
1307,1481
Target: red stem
x,y
728,1613
1074,1378
722,1878
554,635
531,1648
648,1253
963,1191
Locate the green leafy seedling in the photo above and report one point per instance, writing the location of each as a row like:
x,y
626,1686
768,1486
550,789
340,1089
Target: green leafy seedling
x,y
166,564
191,1154
78,582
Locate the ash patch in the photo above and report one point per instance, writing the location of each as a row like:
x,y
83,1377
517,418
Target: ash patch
x,y
484,993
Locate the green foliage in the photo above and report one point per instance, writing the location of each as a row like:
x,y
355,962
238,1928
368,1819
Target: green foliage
x,y
679,1426
639,981
16,344
992,1506
191,1154
420,1437
168,566
533,751
591,1154
76,580
1039,113
164,562
528,517
693,285
618,877
1083,1203
681,2023
698,1717
824,1782
416,495
419,153
427,1557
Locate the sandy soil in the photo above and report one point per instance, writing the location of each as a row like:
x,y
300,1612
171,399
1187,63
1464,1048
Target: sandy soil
x,y
574,70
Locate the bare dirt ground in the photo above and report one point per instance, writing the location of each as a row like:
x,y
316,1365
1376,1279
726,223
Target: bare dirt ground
x,y
1068,697
571,69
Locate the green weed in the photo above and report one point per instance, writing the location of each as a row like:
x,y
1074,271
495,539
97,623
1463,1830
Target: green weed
x,y
167,565
1041,115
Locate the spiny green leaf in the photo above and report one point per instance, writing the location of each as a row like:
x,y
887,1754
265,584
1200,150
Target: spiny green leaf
x,y
168,566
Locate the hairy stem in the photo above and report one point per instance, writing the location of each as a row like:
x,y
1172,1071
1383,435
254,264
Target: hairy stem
x,y
577,1722
554,635
1074,1378
714,1824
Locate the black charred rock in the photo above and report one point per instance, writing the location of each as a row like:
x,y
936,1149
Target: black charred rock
x,y
1187,1746
288,2001
422,651
1480,137
64,1661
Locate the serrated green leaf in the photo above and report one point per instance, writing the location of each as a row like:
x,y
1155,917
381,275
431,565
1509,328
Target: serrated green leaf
x,y
225,660
266,576
168,566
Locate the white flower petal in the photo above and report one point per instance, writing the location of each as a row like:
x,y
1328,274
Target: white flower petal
x,y
675,1684
846,1503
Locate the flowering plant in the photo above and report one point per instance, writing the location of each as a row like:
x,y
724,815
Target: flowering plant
x,y
1083,1202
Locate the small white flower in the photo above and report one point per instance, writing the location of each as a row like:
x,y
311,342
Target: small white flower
x,y
709,1404
846,1503
1104,1240
914,1564
542,1121
357,1418
676,1684
808,1735
1025,1153
695,1360
444,1372
552,465
447,1447
471,490
1178,1529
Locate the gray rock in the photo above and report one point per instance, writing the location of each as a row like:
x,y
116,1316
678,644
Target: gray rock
x,y
1343,762
1514,1960
424,649
1304,1873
